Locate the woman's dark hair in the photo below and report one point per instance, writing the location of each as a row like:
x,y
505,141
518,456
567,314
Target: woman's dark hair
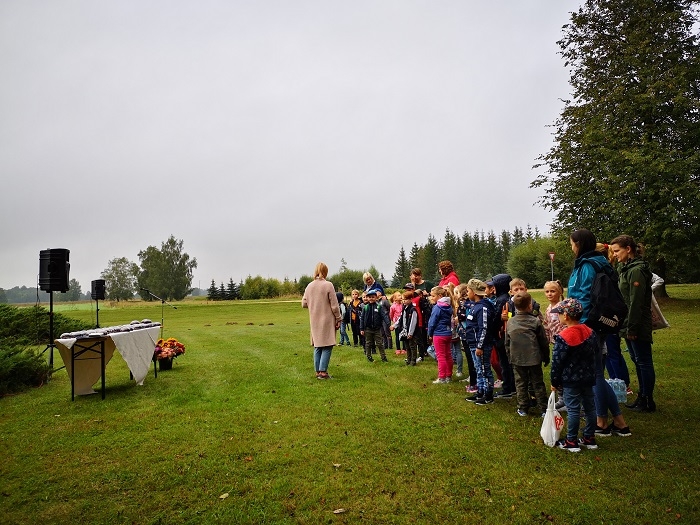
x,y
585,240
626,241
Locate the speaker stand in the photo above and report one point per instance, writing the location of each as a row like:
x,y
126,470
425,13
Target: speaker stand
x,y
51,344
163,302
97,313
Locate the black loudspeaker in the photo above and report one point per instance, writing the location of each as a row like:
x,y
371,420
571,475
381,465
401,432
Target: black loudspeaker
x,y
54,269
98,290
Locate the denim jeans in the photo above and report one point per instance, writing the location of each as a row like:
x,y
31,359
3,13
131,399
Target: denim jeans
x,y
344,334
615,363
322,355
457,357
574,397
470,363
484,374
640,352
605,398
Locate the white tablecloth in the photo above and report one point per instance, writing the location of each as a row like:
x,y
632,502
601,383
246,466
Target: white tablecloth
x,y
136,347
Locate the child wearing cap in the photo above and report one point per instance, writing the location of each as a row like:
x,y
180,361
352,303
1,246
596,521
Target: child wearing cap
x,y
528,347
479,330
373,317
573,369
440,330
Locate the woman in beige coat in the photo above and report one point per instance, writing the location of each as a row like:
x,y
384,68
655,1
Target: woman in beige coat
x,y
324,316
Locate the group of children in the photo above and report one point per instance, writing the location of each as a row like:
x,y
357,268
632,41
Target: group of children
x,y
486,318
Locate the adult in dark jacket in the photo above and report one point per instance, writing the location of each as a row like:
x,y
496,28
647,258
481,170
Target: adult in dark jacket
x,y
635,285
501,283
588,260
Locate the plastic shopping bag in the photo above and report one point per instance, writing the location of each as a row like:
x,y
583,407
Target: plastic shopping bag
x,y
552,423
658,321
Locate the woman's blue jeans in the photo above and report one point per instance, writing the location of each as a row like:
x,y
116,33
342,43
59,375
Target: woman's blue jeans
x,y
640,352
322,356
615,363
605,398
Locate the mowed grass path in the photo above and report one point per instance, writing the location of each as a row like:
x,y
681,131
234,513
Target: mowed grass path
x,y
240,431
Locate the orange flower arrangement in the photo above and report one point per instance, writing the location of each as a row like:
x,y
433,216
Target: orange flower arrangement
x,y
168,349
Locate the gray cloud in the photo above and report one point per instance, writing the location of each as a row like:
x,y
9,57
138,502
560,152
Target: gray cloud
x,y
269,135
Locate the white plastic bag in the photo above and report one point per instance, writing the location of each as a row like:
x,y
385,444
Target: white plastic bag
x,y
658,321
552,423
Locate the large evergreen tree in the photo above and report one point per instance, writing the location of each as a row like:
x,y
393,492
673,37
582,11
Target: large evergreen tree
x,y
627,145
402,270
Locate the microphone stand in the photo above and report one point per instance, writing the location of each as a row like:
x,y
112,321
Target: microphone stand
x,y
163,302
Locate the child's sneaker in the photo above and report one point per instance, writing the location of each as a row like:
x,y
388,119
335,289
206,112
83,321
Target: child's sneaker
x,y
498,384
588,443
522,413
472,390
475,397
571,446
487,399
622,432
370,359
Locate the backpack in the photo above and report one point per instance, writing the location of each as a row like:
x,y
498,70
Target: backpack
x,y
426,308
608,309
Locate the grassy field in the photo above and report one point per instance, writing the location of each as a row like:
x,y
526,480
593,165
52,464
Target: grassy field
x,y
240,431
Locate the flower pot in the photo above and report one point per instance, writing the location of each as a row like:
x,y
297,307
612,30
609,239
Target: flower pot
x,y
165,364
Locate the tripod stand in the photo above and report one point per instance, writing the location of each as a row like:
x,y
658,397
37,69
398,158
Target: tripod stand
x,y
51,344
163,302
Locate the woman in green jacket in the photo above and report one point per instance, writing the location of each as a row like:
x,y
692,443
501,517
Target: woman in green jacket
x,y
635,285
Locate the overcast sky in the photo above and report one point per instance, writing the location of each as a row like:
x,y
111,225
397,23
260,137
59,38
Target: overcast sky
x,y
269,135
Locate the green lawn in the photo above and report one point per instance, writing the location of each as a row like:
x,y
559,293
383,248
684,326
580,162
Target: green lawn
x,y
240,431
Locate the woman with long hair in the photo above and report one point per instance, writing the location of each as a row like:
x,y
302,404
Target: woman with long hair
x,y
635,285
324,317
588,260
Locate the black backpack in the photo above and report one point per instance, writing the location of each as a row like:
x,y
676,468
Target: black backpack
x,y
608,308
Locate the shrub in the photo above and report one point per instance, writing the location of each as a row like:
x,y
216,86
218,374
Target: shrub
x,y
28,326
21,368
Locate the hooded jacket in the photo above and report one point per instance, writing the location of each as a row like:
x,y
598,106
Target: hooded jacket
x,y
635,285
477,329
573,359
440,322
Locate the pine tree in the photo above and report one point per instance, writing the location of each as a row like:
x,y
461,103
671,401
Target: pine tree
x,y
402,271
213,292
